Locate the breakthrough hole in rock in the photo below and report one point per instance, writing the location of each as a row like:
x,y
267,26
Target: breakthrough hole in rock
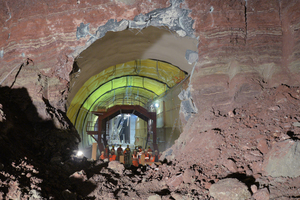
x,y
124,89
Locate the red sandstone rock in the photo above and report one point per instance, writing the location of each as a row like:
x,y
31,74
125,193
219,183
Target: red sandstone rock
x,y
230,165
229,189
253,188
262,145
116,166
283,160
175,181
262,194
188,176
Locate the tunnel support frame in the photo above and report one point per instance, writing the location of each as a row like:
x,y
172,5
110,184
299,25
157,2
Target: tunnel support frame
x,y
104,116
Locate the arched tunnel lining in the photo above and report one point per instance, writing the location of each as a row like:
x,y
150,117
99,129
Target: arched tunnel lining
x,y
114,48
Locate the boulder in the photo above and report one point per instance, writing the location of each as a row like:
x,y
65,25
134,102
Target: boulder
x,y
116,166
229,189
283,159
175,181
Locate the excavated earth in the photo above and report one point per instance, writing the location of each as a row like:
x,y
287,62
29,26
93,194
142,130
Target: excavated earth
x,y
242,144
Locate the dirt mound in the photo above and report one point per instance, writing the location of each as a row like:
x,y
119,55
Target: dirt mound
x,y
256,143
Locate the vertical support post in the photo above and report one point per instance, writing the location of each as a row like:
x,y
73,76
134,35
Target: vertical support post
x,y
165,123
100,145
94,151
154,132
104,132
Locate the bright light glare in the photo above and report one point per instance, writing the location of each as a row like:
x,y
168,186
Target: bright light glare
x,y
156,105
79,153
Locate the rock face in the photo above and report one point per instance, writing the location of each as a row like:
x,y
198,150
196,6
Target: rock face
x,y
229,189
241,44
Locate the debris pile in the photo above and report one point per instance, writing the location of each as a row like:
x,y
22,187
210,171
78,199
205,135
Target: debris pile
x,y
249,152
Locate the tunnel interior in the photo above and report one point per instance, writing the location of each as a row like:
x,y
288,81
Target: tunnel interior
x,y
145,68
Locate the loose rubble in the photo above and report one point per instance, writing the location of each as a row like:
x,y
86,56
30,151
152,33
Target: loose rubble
x,y
249,153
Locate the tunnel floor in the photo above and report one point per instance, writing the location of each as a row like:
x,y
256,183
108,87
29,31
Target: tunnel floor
x,y
272,117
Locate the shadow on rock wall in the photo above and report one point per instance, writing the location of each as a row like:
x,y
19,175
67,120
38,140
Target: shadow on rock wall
x,y
36,158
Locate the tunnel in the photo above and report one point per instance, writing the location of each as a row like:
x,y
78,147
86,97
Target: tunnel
x,y
146,68
212,86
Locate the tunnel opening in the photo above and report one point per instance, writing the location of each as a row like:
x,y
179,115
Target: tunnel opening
x,y
145,68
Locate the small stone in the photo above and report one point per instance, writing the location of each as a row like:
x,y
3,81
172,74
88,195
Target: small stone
x,y
207,185
286,125
69,195
251,157
79,175
256,167
230,114
229,189
230,165
181,33
253,188
274,108
262,145
296,124
262,194
177,196
256,176
154,197
153,165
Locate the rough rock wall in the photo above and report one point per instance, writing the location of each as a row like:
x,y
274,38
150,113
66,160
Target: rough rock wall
x,y
242,44
45,32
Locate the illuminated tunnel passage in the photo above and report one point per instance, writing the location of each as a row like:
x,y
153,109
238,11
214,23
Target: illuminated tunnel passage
x,y
116,71
141,83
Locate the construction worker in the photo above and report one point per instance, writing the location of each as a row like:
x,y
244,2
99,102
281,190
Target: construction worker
x,y
135,161
119,152
156,156
102,157
147,157
140,157
151,157
112,156
127,155
106,152
112,148
149,149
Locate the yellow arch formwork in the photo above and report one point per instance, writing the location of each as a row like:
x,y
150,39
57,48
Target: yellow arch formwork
x,y
133,83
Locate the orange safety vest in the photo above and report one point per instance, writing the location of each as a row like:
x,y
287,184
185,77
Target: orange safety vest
x,y
147,157
112,157
135,160
102,157
152,159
